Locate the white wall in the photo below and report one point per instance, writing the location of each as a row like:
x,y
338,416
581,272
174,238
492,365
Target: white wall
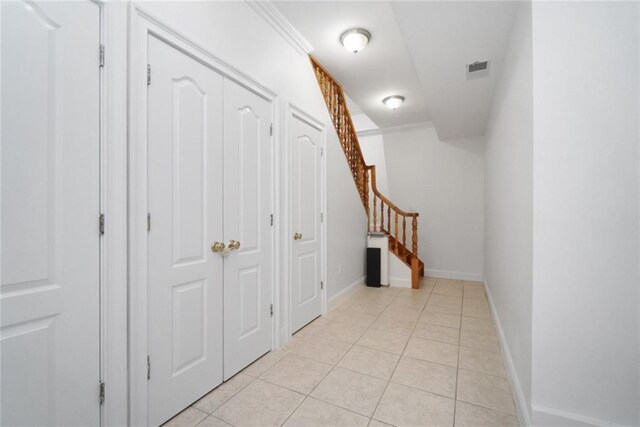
x,y
373,153
443,182
235,33
586,360
508,196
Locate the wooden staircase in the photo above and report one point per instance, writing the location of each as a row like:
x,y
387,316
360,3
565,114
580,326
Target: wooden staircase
x,y
382,215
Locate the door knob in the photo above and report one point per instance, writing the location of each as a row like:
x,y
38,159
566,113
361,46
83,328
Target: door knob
x,y
233,245
297,236
217,247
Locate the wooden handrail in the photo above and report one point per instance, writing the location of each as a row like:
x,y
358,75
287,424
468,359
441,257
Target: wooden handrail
x,y
364,175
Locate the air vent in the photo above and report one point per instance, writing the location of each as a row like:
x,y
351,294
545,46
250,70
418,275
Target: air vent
x,y
477,69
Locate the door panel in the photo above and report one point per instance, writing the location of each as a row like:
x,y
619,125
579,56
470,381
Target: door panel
x,y
247,210
306,205
185,190
49,294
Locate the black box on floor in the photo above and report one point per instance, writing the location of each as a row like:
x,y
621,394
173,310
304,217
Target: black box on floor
x,y
373,267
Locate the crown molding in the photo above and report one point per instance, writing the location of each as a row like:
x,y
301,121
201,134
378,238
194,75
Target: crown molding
x,y
278,22
396,129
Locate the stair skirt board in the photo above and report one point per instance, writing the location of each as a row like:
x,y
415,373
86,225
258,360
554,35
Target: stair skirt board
x,y
455,275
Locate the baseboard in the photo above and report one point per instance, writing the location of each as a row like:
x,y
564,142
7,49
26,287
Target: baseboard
x,y
524,418
337,299
549,417
399,282
456,275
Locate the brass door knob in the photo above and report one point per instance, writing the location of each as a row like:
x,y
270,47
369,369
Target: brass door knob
x,y
297,236
217,247
233,245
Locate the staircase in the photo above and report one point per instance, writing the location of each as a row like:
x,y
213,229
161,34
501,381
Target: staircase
x,y
382,215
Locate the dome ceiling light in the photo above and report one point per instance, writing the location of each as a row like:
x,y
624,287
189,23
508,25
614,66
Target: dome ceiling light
x,y
393,101
355,39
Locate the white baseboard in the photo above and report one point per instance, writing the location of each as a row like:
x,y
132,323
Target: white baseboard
x,y
522,409
549,417
337,299
399,282
456,275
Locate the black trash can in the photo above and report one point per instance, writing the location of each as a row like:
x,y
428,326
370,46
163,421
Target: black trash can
x,y
373,267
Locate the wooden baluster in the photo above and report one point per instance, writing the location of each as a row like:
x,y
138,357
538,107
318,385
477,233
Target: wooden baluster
x,y
375,216
415,236
404,231
388,219
395,245
381,215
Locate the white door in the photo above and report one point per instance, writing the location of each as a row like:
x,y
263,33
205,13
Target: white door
x,y
247,220
49,332
185,190
306,233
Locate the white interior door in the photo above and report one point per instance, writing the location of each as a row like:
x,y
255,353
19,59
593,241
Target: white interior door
x,y
49,332
247,220
185,191
306,233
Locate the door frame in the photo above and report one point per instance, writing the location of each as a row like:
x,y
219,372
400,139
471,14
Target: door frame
x,y
294,111
142,24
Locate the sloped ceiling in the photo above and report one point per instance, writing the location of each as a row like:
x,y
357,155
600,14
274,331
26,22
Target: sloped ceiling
x,y
419,49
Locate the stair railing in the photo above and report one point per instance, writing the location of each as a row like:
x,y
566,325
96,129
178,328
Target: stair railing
x,y
365,177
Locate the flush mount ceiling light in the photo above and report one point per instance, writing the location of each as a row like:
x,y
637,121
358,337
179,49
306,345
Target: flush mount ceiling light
x,y
393,101
355,39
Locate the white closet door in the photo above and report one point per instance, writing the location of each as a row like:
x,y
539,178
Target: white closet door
x,y
247,220
185,194
49,333
306,205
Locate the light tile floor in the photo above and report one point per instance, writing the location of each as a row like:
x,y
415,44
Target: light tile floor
x,y
384,356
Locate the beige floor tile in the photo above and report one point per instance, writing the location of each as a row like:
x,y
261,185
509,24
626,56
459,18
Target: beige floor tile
x,y
480,326
392,324
427,376
212,421
441,319
368,361
432,351
376,423
406,304
404,406
258,367
485,390
340,331
351,390
214,399
445,299
480,341
260,404
468,415
297,373
323,350
474,293
455,291
368,308
443,308
485,362
187,418
316,413
480,312
437,333
357,318
384,340
450,282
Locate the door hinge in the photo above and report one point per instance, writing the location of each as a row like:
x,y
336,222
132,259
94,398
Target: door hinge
x,y
148,367
101,55
321,284
101,224
321,216
148,74
272,220
271,310
321,151
148,222
102,392
271,129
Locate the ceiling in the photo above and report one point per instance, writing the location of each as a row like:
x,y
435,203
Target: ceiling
x,y
418,49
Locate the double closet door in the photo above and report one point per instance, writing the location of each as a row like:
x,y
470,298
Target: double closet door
x,y
210,236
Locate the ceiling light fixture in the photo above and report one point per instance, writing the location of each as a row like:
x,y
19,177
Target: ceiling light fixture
x,y
355,39
393,101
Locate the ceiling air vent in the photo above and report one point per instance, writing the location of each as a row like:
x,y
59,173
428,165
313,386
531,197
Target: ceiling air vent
x,y
477,69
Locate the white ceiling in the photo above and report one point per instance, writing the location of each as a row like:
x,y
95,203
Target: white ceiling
x,y
418,49
384,68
